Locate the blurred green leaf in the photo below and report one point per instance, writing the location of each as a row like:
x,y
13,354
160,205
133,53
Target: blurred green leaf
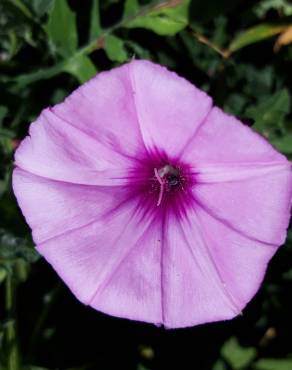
x,y
95,27
26,79
238,357
271,111
12,247
22,7
6,133
288,274
136,49
255,34
219,365
81,67
61,29
58,96
258,81
3,273
14,44
41,7
284,143
235,103
115,50
78,65
282,6
165,19
131,7
3,113
5,142
273,364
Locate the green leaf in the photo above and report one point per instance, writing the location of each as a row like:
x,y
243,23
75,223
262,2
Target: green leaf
x,y
41,7
78,65
271,111
115,50
288,274
95,27
81,67
219,365
3,113
273,364
3,274
237,356
131,7
255,34
284,145
12,247
164,19
61,29
26,79
281,6
6,133
22,7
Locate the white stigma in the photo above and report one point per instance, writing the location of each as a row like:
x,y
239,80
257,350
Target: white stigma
x,y
161,183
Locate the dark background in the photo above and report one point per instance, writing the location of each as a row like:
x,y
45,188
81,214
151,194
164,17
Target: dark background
x,y
239,51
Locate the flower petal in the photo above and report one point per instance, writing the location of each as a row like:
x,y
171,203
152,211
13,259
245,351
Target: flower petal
x,y
223,139
257,206
59,151
112,264
104,109
169,108
241,263
133,288
192,291
209,272
52,208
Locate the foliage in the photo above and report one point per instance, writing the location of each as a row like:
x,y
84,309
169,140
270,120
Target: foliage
x,y
239,52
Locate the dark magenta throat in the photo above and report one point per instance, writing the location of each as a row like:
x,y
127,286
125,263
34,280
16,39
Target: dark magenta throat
x,y
162,184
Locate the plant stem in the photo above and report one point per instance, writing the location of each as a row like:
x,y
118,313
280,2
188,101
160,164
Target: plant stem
x,y
201,38
11,338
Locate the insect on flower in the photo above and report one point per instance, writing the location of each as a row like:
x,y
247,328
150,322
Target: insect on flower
x,y
151,203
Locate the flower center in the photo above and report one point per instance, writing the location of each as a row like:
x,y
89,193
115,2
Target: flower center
x,y
169,179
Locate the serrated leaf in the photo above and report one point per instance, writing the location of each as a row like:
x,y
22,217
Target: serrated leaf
x,y
81,67
115,50
61,29
271,111
255,34
238,357
164,20
273,364
95,27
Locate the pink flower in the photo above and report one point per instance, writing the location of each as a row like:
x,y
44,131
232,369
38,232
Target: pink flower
x,y
151,203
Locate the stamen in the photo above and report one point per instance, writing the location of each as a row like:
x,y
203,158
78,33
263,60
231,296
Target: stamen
x,y
161,190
